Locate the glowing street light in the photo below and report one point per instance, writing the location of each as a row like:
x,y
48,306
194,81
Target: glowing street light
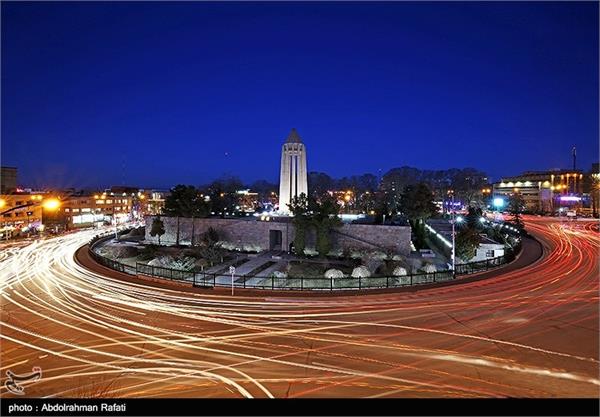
x,y
51,204
2,202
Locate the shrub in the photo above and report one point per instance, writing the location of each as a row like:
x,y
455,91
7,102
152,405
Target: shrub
x,y
378,255
429,268
399,272
226,245
334,273
148,252
164,261
279,274
361,272
357,254
336,253
310,252
118,252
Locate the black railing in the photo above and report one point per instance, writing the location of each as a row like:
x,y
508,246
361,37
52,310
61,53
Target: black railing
x,y
202,279
319,283
163,272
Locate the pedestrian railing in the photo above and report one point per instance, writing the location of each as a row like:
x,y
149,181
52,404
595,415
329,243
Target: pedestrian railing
x,y
163,272
203,279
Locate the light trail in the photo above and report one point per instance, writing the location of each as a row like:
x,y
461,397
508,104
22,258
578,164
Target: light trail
x,y
529,332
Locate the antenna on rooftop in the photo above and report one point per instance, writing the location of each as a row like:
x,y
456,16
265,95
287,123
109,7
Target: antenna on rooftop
x,y
574,158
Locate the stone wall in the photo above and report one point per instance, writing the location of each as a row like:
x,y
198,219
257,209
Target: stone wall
x,y
241,232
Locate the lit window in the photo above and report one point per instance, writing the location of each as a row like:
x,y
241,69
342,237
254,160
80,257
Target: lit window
x,y
99,201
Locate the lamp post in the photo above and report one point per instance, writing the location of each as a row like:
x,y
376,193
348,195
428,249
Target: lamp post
x,y
453,221
114,212
232,272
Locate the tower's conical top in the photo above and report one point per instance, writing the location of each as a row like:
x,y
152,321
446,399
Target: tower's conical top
x,y
293,137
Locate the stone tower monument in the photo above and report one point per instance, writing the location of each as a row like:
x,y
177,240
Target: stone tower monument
x,y
292,181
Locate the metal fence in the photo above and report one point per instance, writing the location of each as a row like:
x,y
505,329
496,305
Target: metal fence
x,y
201,279
162,272
318,283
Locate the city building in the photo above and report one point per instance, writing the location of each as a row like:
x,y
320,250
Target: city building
x,y
8,180
153,201
543,192
248,201
293,178
591,191
20,213
92,209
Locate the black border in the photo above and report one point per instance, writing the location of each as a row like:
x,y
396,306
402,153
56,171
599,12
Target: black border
x,y
307,407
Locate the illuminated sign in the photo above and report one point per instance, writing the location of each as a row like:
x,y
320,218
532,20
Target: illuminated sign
x,y
570,198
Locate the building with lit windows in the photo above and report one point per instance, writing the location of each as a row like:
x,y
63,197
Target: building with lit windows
x,y
92,209
22,212
247,201
19,210
543,192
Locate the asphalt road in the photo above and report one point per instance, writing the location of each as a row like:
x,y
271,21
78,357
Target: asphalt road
x,y
529,332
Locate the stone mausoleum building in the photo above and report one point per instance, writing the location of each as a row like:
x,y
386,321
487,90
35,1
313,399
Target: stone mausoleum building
x,y
277,233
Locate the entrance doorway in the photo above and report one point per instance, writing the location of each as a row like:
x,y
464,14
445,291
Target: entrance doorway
x,y
275,238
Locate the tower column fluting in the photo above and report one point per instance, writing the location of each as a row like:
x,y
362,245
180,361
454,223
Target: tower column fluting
x,y
293,178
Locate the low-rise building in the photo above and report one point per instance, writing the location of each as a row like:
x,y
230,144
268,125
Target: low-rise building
x,y
90,209
441,231
20,213
542,191
487,249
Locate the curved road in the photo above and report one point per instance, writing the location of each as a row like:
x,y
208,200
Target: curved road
x,y
532,332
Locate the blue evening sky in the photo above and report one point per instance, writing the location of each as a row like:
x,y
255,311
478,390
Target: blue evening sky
x,y
166,93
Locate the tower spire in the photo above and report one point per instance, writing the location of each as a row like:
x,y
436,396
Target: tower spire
x,y
293,137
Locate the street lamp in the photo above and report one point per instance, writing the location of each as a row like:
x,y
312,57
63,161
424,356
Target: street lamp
x,y
232,272
51,204
455,220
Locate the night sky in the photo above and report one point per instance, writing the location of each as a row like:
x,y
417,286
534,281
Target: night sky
x,y
160,93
